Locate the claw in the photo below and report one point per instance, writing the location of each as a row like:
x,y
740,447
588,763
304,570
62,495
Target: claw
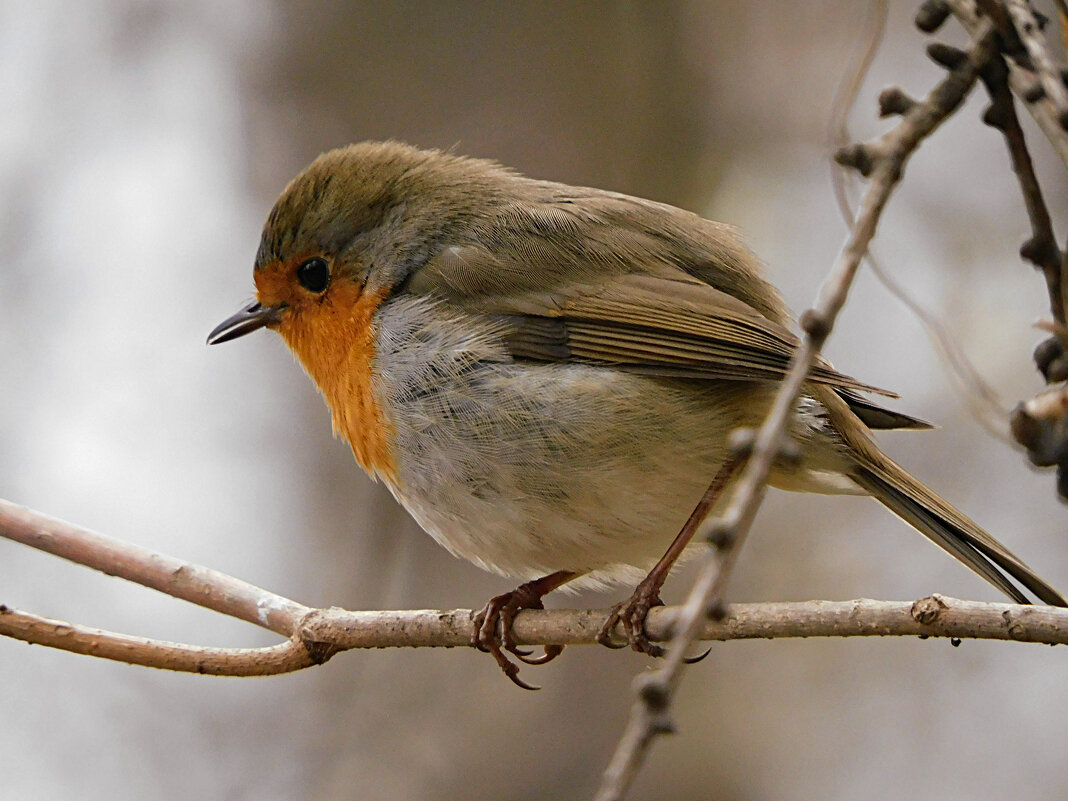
x,y
511,670
607,642
551,652
632,613
693,660
492,627
605,635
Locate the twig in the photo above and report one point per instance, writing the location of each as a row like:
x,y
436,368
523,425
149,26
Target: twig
x,y
1030,33
342,630
1021,79
1033,77
282,658
983,401
884,161
319,633
189,582
1041,249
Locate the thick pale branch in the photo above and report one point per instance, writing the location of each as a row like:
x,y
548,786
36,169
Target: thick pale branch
x,y
934,616
179,579
317,634
329,631
282,658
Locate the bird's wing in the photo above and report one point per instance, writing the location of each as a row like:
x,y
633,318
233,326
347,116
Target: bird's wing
x,y
663,327
667,323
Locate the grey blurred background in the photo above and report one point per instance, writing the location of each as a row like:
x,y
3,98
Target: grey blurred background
x,y
142,144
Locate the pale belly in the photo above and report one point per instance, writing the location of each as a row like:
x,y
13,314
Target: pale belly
x,y
528,468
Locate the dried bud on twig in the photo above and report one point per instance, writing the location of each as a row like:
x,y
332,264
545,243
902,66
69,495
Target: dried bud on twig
x,y
931,15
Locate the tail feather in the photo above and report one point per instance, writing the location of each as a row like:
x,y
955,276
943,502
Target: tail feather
x,y
892,486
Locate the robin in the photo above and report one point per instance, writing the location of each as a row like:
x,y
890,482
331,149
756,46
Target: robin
x,y
545,376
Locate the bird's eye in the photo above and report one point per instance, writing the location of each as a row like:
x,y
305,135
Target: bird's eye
x,y
314,274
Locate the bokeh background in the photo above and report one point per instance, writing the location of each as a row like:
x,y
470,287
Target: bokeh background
x,y
141,146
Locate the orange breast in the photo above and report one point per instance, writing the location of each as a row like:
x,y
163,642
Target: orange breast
x,y
334,340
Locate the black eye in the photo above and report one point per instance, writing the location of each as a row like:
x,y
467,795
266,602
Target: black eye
x,y
314,274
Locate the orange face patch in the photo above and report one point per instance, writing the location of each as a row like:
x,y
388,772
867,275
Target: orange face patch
x,y
333,336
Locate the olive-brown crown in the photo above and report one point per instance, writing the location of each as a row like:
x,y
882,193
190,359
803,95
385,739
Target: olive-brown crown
x,y
341,201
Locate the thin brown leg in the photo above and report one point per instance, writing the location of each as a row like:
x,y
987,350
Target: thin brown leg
x,y
500,614
633,611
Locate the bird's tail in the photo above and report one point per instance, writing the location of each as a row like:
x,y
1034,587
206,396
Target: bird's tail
x,y
906,497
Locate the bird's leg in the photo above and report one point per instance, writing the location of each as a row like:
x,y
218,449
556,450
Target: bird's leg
x,y
500,613
633,611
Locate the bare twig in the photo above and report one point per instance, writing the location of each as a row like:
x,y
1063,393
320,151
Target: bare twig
x,y
1041,249
1021,79
1033,78
985,405
317,634
285,657
1030,33
198,585
883,161
342,630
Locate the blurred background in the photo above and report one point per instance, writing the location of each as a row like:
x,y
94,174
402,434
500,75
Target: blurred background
x,y
142,145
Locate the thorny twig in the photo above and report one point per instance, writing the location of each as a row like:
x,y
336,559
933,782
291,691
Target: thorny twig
x,y
883,161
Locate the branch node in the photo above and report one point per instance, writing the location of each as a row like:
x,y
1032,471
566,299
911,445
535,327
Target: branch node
x,y
1034,92
740,443
997,116
927,610
815,324
1014,627
1050,360
894,101
1039,251
721,535
789,456
1030,433
653,691
946,55
717,611
857,157
931,15
319,650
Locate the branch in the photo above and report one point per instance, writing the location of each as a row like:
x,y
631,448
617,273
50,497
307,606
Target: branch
x,y
1030,32
189,582
1039,425
884,162
318,634
1041,249
1022,79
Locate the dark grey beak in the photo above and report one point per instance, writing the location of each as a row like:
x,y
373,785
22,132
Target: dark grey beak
x,y
246,321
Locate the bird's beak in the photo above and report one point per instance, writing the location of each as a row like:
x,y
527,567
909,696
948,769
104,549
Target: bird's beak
x,y
244,322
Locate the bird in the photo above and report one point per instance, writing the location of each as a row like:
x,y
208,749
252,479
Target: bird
x,y
547,376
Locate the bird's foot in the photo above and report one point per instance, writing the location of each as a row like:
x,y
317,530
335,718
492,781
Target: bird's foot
x,y
631,613
493,630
